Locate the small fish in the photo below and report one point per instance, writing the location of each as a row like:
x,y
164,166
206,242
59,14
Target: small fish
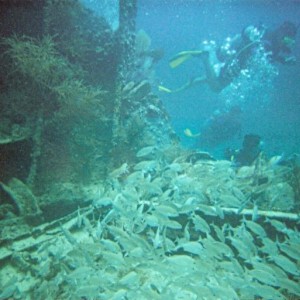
x,y
223,248
99,230
219,233
276,160
113,259
255,214
291,286
230,201
117,232
255,228
68,235
103,201
109,216
175,167
200,224
172,224
134,177
269,247
237,267
157,241
187,132
128,86
287,265
79,218
119,171
238,194
263,266
146,151
167,210
137,252
292,250
191,247
219,212
187,235
146,165
151,220
130,194
266,291
152,188
264,277
127,244
241,247
207,210
281,227
110,245
130,280
169,245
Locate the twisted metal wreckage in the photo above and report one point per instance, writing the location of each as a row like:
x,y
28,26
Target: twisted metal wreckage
x,y
72,110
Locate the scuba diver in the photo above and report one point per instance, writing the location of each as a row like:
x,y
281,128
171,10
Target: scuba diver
x,y
221,127
248,153
280,42
224,63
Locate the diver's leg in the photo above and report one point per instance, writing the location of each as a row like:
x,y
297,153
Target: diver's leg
x,y
191,82
208,78
212,77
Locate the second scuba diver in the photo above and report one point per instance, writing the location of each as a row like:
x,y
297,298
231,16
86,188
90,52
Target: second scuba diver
x,y
224,63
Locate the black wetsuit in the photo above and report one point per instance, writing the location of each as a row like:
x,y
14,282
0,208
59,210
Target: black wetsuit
x,y
271,41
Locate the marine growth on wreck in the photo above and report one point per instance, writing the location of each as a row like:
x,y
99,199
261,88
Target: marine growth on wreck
x,y
98,198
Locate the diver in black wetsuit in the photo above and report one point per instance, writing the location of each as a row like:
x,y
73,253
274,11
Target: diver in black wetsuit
x,y
223,64
221,127
279,43
248,153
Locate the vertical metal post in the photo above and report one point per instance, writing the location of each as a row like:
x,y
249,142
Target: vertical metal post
x,y
125,50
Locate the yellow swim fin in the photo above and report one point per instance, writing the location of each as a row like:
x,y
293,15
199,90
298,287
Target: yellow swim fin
x,y
181,57
188,133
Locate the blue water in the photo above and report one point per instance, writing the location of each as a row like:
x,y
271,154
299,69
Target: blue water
x,y
272,111
182,25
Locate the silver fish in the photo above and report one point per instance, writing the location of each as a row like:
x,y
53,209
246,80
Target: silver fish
x,y
146,151
256,228
287,265
191,247
119,171
291,286
200,224
264,277
292,250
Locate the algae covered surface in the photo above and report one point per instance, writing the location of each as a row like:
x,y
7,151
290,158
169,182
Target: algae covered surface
x,y
98,197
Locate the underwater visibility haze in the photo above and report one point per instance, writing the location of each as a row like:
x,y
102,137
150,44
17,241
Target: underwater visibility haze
x,y
149,149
